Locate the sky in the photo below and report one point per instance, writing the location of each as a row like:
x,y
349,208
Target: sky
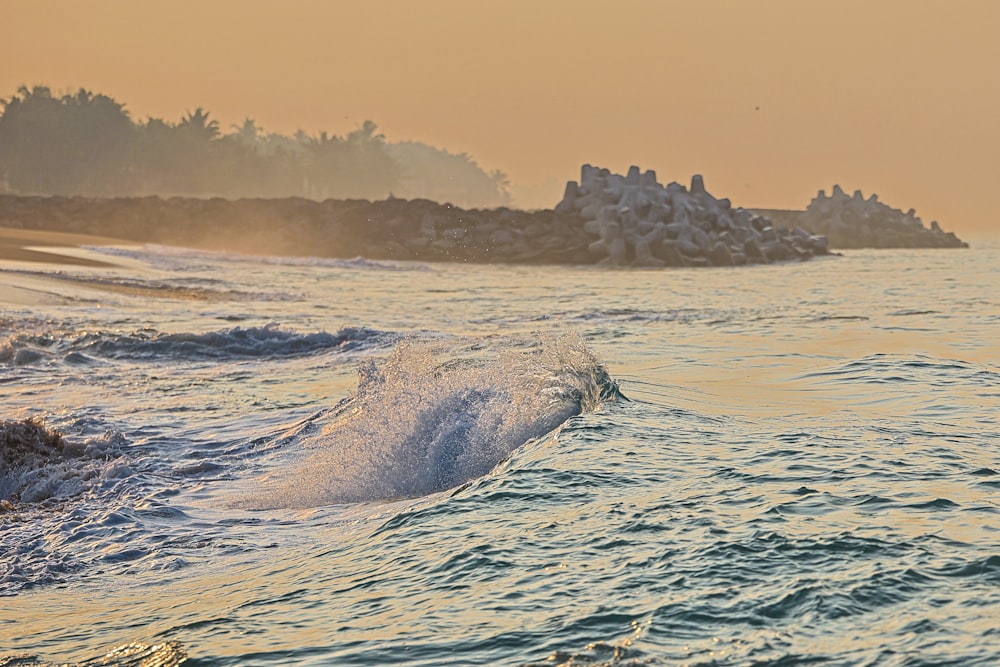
x,y
771,100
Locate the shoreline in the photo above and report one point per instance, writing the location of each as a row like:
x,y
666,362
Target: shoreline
x,y
52,247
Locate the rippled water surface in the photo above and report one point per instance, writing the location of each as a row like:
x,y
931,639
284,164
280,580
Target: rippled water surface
x,y
281,461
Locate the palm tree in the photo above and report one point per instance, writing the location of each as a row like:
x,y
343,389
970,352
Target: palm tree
x,y
501,182
248,133
76,144
196,124
365,134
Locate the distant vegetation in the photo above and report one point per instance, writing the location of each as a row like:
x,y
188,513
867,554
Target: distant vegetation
x,y
88,144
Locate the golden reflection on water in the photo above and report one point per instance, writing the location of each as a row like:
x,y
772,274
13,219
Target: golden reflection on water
x,y
786,383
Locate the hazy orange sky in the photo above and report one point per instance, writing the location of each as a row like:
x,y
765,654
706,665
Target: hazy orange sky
x,y
770,100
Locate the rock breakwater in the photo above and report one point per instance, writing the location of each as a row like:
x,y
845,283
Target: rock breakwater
x,y
854,221
399,229
607,218
633,219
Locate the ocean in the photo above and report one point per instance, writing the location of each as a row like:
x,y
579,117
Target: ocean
x,y
294,461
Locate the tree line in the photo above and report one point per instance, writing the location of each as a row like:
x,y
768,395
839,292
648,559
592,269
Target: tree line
x,y
88,144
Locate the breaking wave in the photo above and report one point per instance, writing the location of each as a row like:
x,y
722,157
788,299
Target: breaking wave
x,y
38,464
251,342
431,418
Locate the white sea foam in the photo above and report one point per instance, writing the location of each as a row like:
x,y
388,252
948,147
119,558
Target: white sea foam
x,y
251,342
38,464
173,258
429,419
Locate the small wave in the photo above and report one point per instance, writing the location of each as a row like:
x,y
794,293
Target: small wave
x,y
896,368
252,342
420,423
987,568
598,654
173,258
709,316
167,654
913,312
619,653
841,318
178,289
357,263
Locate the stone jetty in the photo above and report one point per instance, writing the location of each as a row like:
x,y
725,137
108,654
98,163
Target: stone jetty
x,y
854,221
397,229
605,218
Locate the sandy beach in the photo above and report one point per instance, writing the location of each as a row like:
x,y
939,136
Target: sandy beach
x,y
18,247
22,285
26,245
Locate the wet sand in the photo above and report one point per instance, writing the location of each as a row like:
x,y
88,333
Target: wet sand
x,y
21,287
24,245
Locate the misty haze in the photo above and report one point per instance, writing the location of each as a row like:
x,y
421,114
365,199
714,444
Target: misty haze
x,y
449,333
87,144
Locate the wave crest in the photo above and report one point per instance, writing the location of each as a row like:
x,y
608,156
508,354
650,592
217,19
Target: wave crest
x,y
429,419
234,343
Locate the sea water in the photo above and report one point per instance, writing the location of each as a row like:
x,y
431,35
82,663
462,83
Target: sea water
x,y
277,461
